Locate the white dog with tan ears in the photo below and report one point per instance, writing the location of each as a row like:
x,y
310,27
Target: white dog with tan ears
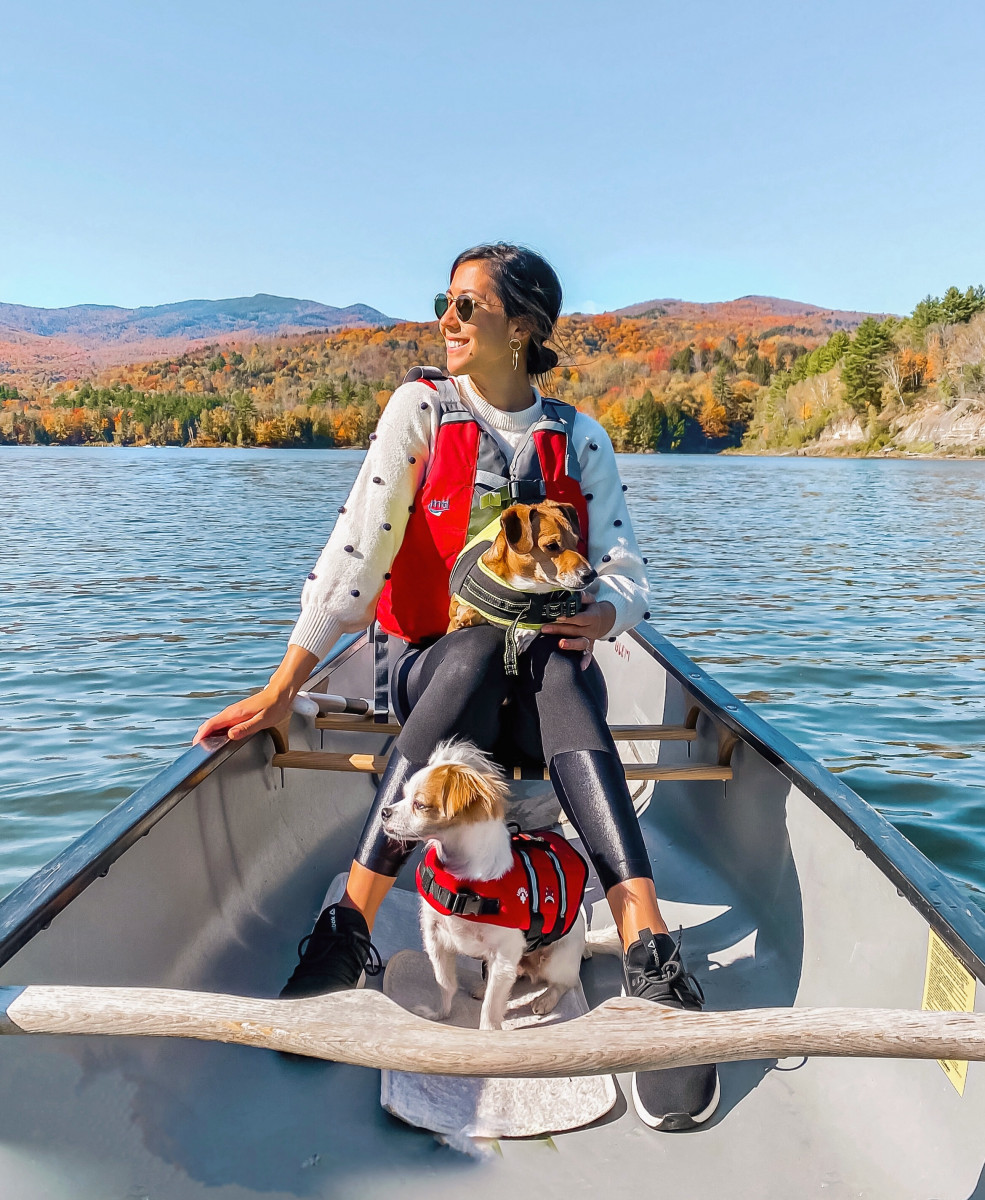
x,y
511,900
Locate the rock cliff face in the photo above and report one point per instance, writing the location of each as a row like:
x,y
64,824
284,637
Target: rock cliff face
x,y
843,433
934,427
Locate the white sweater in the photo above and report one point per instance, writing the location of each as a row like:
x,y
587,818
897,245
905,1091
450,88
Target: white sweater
x,y
341,592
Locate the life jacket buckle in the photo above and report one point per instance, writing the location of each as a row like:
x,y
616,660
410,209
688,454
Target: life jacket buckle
x,y
494,499
466,904
527,491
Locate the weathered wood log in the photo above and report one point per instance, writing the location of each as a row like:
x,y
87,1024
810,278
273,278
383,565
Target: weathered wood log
x,y
368,1029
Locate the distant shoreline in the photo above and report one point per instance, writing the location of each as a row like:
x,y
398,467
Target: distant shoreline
x,y
973,454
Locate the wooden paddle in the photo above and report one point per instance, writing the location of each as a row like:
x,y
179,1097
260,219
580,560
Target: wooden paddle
x,y
368,1029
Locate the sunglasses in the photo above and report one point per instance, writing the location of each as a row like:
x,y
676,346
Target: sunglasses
x,y
465,306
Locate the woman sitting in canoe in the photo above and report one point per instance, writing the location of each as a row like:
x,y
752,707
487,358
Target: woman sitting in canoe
x,y
448,455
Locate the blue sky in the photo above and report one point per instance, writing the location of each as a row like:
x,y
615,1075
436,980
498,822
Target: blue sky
x,y
829,152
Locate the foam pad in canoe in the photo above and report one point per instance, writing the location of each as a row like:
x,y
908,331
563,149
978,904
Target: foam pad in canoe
x,y
488,1108
468,1108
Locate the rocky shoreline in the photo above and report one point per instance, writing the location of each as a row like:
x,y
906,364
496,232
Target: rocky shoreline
x,y
930,431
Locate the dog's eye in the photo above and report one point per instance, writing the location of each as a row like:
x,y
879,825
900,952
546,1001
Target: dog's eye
x,y
418,806
553,547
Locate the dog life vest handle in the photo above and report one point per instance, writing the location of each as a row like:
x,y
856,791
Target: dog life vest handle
x,y
536,609
458,904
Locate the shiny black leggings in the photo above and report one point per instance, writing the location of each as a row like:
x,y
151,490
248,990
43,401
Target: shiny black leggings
x,y
554,712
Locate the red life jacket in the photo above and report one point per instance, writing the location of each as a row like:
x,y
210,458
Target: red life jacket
x,y
540,894
468,481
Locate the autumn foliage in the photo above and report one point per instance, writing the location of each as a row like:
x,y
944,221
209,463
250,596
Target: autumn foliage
x,y
692,379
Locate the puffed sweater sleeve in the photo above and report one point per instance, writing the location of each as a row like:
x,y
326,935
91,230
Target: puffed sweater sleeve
x,y
612,548
345,583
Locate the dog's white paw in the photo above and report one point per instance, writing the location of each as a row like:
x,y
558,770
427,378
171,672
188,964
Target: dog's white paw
x,y
428,1013
546,1002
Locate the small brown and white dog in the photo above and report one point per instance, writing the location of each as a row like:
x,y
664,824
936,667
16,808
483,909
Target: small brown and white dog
x,y
535,550
457,801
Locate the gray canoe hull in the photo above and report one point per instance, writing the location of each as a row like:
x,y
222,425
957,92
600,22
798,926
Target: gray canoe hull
x,y
778,906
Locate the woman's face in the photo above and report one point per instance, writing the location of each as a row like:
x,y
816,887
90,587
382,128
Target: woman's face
x,y
481,343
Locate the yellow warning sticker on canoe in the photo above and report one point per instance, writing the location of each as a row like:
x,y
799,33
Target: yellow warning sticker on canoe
x,y
948,987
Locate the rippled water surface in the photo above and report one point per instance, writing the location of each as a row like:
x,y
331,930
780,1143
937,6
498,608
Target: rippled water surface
x,y
141,589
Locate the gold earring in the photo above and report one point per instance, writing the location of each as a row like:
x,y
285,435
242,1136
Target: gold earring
x,y
515,344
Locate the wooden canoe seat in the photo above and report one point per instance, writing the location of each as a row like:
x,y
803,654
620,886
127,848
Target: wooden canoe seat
x,y
362,722
621,733
328,760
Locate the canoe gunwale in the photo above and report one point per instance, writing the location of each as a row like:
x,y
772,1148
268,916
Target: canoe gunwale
x,y
32,905
938,900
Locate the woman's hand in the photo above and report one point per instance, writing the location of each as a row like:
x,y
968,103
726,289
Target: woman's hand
x,y
269,706
581,631
266,708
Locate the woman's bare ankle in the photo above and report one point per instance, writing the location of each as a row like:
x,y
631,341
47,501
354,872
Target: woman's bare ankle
x,y
366,891
634,907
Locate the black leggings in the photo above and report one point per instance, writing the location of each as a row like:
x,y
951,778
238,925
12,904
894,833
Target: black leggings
x,y
556,714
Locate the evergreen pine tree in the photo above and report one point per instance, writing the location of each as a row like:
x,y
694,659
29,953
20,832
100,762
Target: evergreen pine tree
x,y
861,373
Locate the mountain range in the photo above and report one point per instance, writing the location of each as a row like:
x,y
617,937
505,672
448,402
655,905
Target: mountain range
x,y
745,306
43,345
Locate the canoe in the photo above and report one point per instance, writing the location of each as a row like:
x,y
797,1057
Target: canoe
x,y
792,892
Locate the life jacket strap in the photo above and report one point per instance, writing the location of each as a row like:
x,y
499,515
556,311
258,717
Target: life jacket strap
x,y
381,673
458,904
515,491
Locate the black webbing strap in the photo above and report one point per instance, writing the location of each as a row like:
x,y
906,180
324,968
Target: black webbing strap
x,y
459,904
538,608
381,674
511,651
533,608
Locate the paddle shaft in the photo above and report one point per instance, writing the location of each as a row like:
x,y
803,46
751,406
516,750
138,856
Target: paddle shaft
x,y
368,1029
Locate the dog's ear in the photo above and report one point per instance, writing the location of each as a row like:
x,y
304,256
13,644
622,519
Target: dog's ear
x,y
517,528
571,513
472,795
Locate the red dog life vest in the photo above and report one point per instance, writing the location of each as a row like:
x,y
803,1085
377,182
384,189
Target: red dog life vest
x,y
540,894
468,482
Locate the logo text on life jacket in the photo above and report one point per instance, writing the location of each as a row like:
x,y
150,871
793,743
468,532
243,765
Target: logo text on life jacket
x,y
436,507
522,894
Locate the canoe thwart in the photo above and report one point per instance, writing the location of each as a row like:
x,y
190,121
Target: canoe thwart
x,y
359,724
330,760
342,722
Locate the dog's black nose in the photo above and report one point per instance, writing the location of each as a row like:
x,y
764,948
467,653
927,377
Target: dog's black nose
x,y
385,813
589,576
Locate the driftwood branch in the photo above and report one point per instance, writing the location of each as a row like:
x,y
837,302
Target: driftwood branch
x,y
370,1030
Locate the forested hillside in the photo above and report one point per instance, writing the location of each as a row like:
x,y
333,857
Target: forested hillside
x,y
668,381
699,379
915,384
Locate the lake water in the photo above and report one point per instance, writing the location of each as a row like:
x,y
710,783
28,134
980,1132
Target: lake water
x,y
142,589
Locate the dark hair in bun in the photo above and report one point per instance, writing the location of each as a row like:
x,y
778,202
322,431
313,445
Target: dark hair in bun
x,y
528,288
